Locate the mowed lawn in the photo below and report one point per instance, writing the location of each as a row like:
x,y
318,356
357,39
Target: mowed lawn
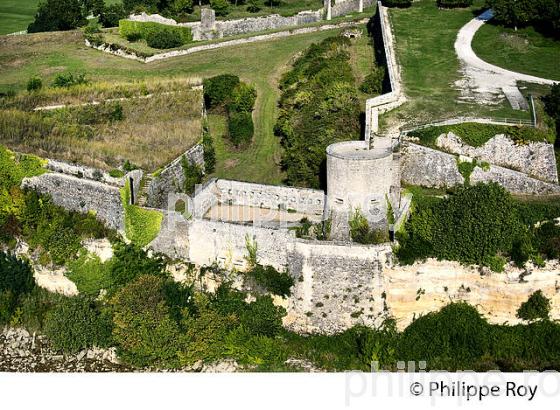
x,y
525,50
47,54
425,37
15,15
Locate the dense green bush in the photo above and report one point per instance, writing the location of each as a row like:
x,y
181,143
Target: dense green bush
x,y
243,98
145,332
77,323
471,226
16,275
53,15
452,338
273,281
262,318
131,261
159,35
319,106
218,90
240,128
373,83
164,38
543,14
192,173
547,239
69,80
34,84
536,307
449,4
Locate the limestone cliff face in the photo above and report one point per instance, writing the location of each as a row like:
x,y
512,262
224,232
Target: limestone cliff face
x,y
425,287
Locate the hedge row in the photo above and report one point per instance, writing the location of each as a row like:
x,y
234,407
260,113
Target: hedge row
x,y
156,35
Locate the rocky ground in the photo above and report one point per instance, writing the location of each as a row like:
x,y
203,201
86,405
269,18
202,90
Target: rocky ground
x,y
21,351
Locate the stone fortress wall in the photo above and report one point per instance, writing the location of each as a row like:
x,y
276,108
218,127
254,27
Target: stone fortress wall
x,y
209,27
337,284
83,189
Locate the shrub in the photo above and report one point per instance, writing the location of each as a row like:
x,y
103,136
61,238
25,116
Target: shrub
x,y
209,151
262,318
131,261
76,323
452,338
449,4
218,89
278,283
397,3
221,7
69,80
361,232
55,15
240,128
192,173
373,83
242,98
164,38
34,84
16,275
133,37
144,331
547,239
471,226
536,307
495,263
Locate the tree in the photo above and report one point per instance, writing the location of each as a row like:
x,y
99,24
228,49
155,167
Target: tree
x,y
221,7
132,5
192,173
111,14
209,151
16,275
536,307
131,261
53,15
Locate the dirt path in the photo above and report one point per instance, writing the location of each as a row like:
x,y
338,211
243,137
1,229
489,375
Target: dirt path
x,y
483,82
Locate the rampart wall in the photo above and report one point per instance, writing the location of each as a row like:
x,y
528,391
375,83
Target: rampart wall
x,y
436,169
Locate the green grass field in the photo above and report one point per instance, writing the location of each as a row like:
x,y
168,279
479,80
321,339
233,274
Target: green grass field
x,y
15,15
525,50
425,37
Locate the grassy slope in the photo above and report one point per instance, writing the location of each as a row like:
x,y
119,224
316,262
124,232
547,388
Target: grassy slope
x,y
257,63
525,51
425,36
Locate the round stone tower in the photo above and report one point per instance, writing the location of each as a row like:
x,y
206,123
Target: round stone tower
x,y
358,178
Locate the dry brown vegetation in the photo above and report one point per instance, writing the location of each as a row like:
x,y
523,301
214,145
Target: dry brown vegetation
x,y
157,125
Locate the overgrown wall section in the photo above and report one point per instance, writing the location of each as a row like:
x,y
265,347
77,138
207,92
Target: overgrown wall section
x,y
172,178
535,159
81,195
436,169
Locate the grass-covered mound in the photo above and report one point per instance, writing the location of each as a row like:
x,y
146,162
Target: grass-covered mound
x,y
319,106
476,134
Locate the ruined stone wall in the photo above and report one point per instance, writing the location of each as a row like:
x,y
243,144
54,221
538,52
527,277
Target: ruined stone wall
x,y
81,195
225,243
436,169
172,178
535,159
337,285
82,171
271,196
